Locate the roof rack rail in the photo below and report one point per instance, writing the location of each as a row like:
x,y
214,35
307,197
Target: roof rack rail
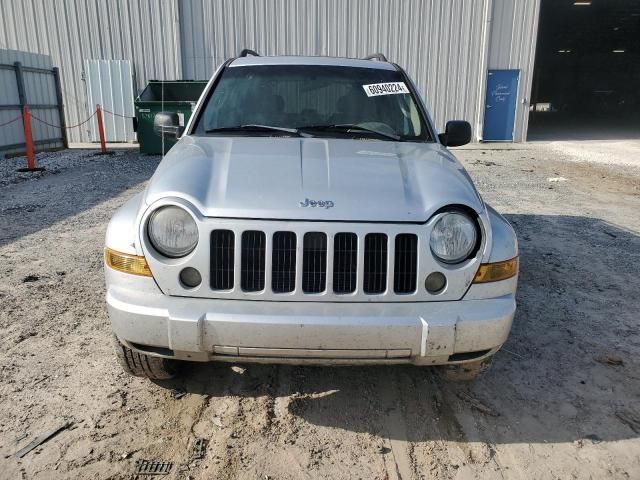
x,y
376,56
248,51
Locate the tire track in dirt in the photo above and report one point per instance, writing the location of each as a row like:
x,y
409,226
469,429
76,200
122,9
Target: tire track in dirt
x,y
329,420
285,453
399,465
451,440
428,427
469,424
242,448
201,420
296,441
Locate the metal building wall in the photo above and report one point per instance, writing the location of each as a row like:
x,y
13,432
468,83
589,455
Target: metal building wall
x,y
514,34
442,45
446,47
72,31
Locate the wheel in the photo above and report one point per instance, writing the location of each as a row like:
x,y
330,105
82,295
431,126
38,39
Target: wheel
x,y
141,365
466,372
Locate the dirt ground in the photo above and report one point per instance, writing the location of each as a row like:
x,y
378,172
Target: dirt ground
x,y
561,401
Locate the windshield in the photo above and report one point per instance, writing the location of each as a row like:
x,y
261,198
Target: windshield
x,y
312,100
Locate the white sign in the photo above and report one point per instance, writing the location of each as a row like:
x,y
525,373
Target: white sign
x,y
392,88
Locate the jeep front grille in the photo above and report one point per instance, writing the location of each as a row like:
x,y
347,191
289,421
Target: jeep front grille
x,y
375,263
253,256
314,262
222,259
283,262
345,262
404,280
342,263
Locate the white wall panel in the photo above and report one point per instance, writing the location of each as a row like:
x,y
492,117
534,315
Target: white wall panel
x,y
110,84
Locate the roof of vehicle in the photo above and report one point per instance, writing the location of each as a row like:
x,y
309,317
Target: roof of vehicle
x,y
300,60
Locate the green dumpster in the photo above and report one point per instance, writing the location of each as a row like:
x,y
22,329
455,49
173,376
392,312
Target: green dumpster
x,y
179,96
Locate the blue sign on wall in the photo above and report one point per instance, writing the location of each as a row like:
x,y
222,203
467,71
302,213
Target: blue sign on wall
x,y
500,105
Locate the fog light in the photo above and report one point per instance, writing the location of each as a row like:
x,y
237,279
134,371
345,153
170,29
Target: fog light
x,y
190,277
435,282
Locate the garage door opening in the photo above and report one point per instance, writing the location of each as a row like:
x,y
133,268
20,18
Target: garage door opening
x,y
586,83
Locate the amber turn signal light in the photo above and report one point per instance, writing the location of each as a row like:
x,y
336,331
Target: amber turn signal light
x,y
124,262
493,272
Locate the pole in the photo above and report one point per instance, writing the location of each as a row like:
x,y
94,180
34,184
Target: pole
x,y
63,127
103,145
26,121
28,138
22,96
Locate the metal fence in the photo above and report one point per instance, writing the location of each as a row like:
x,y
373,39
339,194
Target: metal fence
x,y
37,87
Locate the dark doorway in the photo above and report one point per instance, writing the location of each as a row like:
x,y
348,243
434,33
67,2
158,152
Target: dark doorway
x,y
586,82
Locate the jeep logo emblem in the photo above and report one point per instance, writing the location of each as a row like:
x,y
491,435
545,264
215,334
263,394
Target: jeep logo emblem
x,y
317,203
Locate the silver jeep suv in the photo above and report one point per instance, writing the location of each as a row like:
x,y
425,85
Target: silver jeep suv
x,y
310,214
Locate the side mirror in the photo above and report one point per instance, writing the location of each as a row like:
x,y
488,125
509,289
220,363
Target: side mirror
x,y
456,133
167,124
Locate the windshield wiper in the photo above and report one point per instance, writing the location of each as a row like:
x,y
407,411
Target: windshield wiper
x,y
255,128
347,128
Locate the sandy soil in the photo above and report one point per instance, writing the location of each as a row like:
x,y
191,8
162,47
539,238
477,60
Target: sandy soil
x,y
561,401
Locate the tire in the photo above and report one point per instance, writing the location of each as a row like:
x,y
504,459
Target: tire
x,y
466,372
141,365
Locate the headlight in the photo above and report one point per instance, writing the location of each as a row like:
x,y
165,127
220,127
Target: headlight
x,y
172,231
453,237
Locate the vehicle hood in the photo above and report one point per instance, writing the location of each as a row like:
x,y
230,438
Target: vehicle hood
x,y
272,178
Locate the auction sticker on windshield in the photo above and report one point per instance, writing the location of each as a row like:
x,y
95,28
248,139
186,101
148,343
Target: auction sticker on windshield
x,y
391,88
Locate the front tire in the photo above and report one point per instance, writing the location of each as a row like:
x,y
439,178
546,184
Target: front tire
x,y
141,365
466,372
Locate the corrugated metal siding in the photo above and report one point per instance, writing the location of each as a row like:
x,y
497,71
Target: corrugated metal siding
x,y
110,84
446,47
39,89
441,44
514,34
12,133
72,31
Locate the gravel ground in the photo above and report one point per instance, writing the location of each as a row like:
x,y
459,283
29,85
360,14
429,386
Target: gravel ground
x,y
561,401
53,162
612,152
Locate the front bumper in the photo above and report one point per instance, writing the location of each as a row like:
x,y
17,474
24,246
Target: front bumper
x,y
421,333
